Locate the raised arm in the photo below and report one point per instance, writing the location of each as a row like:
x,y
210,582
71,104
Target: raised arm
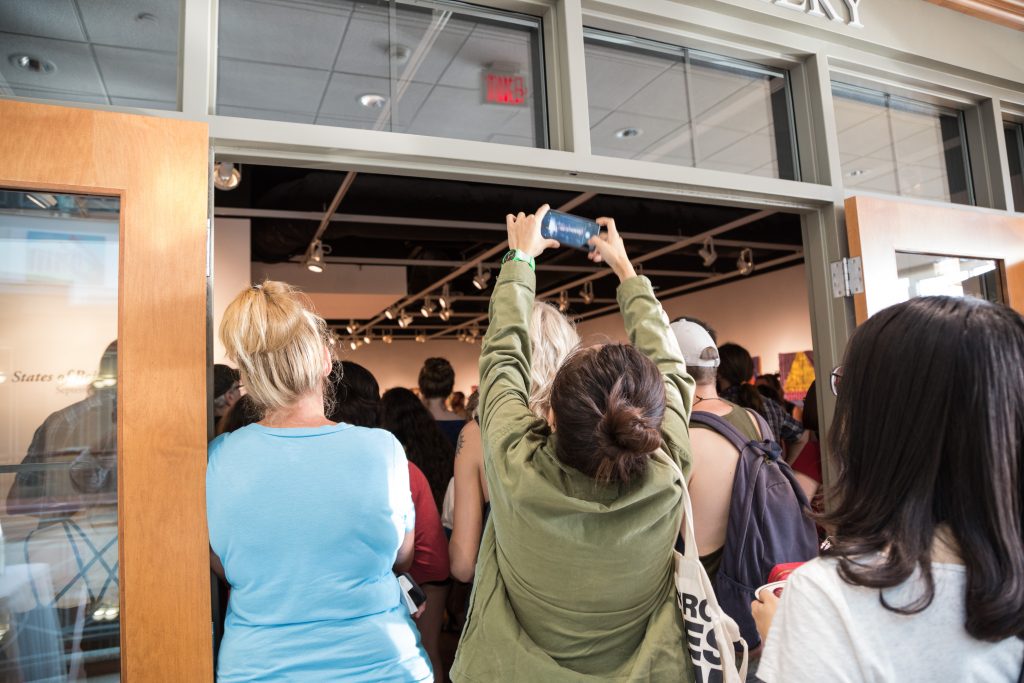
x,y
505,417
648,329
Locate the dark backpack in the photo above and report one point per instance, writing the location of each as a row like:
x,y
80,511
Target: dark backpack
x,y
768,524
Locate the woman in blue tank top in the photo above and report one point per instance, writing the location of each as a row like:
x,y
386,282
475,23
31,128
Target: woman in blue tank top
x,y
308,518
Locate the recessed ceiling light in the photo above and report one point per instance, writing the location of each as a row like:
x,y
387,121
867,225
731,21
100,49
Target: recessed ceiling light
x,y
856,172
34,64
628,133
372,101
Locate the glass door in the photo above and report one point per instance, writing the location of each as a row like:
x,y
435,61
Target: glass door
x,y
103,550
909,249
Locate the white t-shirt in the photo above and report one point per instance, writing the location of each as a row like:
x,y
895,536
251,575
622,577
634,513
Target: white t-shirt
x,y
828,630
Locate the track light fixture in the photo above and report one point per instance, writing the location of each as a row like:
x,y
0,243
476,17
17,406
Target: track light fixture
x,y
445,300
745,263
367,338
226,176
314,260
353,344
421,338
563,301
482,277
708,253
404,319
351,327
390,313
387,338
587,293
445,314
428,308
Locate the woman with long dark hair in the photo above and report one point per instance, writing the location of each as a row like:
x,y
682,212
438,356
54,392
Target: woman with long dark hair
x,y
925,577
575,573
735,384
402,414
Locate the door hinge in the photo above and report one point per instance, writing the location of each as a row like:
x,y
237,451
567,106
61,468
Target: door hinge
x,y
847,277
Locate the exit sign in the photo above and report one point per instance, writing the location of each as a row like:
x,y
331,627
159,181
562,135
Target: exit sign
x,y
504,88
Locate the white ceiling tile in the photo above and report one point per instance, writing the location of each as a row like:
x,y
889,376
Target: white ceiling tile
x,y
882,180
709,87
749,153
614,76
676,147
664,97
485,47
342,100
139,73
269,86
291,34
871,136
117,22
849,113
604,141
45,18
460,113
76,70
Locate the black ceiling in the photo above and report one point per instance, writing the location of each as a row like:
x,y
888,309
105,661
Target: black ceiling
x,y
280,239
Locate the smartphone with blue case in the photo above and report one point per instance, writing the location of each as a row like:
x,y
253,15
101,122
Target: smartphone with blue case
x,y
569,230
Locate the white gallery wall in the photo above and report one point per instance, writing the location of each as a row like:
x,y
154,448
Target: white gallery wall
x,y
231,270
766,314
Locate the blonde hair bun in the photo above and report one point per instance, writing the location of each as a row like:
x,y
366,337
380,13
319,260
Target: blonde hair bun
x,y
277,342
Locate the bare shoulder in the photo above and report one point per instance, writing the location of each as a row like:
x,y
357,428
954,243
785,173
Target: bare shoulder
x,y
713,450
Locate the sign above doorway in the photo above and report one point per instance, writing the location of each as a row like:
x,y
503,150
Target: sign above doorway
x,y
826,9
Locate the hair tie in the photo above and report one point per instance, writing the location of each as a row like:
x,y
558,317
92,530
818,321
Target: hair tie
x,y
257,287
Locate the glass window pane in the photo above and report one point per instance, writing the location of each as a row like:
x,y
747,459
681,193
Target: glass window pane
x,y
429,68
672,105
116,53
1015,155
932,275
898,146
59,596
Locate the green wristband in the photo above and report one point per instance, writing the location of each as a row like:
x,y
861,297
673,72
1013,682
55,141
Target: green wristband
x,y
520,255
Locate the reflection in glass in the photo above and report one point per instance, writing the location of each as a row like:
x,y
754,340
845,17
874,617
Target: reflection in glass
x,y
898,146
931,275
658,102
59,579
1015,155
117,53
427,68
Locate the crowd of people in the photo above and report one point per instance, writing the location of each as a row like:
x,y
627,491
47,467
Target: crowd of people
x,y
618,509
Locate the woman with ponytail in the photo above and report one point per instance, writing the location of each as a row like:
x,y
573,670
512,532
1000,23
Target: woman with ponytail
x,y
308,518
736,384
574,580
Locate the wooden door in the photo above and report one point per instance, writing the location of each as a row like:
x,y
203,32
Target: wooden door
x,y
881,231
157,169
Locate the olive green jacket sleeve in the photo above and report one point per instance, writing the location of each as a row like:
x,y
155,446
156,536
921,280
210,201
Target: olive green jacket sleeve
x,y
649,331
511,432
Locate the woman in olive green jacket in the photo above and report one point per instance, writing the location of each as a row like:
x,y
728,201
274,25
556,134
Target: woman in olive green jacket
x,y
575,575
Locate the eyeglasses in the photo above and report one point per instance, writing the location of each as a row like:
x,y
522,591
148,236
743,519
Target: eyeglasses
x,y
835,378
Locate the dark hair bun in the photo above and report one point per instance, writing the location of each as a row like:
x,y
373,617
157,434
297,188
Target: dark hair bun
x,y
625,438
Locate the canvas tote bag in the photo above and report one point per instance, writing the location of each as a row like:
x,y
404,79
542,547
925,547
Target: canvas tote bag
x,y
712,636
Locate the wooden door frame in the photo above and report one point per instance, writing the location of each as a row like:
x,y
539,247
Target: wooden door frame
x,y
159,170
877,228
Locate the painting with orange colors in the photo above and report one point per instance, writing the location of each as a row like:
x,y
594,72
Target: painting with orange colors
x,y
796,372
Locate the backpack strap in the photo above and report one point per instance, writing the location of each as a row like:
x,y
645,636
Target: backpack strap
x,y
766,447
